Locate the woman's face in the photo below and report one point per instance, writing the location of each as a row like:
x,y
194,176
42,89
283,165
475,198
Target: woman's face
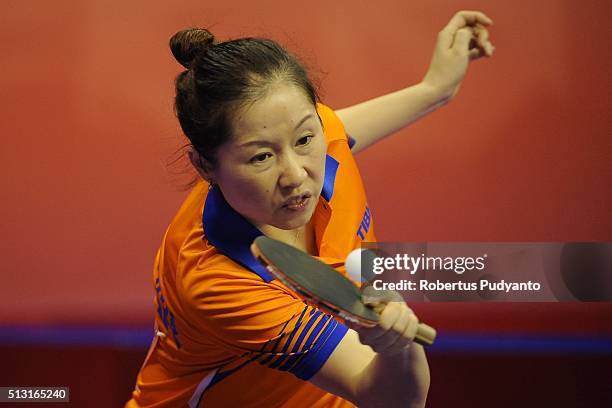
x,y
272,169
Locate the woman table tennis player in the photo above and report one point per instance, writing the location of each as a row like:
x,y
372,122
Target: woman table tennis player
x,y
275,161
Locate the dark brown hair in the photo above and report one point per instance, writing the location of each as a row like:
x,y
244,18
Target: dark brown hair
x,y
221,78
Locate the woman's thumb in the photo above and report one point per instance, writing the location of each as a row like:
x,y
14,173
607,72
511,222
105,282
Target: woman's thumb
x,y
462,40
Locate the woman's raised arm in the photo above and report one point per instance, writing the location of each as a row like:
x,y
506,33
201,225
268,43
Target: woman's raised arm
x,y
464,38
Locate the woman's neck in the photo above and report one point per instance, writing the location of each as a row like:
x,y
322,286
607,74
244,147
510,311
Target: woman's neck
x,y
302,238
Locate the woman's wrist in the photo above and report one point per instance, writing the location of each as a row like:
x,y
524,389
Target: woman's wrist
x,y
437,95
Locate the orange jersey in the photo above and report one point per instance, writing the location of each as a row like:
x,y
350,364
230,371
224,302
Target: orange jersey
x,y
228,333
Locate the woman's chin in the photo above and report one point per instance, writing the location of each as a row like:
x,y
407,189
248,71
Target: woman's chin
x,y
292,219
293,224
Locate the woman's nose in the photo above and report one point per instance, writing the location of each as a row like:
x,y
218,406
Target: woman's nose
x,y
293,173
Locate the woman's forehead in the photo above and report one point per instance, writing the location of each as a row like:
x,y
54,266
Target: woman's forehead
x,y
282,110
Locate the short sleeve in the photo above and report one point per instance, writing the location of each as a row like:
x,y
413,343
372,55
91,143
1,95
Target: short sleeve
x,y
332,125
264,322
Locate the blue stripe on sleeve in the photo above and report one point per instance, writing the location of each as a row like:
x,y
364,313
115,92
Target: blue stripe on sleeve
x,y
307,346
288,341
351,141
303,333
322,329
325,345
296,347
316,331
331,168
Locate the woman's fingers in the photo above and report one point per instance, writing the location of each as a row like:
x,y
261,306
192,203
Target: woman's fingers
x,y
462,41
468,18
402,333
473,42
475,53
396,329
459,20
372,335
482,39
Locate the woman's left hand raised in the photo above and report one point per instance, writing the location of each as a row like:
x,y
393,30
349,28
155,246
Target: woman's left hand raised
x,y
465,38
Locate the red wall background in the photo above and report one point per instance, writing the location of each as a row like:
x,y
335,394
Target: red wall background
x,y
522,154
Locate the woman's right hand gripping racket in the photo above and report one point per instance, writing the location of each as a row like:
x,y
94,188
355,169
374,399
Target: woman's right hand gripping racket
x,y
320,284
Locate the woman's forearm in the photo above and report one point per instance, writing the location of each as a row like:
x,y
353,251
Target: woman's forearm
x,y
400,380
372,120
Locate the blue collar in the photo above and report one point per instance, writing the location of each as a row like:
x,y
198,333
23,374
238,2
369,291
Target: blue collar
x,y
232,234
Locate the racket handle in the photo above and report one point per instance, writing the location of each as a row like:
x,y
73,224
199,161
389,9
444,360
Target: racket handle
x,y
425,335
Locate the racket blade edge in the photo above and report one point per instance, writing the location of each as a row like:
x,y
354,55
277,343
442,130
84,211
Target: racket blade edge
x,y
313,279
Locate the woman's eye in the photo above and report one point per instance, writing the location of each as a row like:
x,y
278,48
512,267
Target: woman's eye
x,y
304,140
260,158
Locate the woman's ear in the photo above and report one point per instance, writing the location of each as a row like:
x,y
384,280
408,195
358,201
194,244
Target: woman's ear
x,y
201,165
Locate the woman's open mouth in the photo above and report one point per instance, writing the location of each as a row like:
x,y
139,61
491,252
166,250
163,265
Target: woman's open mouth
x,y
298,203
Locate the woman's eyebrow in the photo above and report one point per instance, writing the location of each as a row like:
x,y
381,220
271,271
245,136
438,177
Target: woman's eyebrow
x,y
256,143
259,142
304,119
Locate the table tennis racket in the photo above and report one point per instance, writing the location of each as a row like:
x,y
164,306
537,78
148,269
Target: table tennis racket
x,y
320,284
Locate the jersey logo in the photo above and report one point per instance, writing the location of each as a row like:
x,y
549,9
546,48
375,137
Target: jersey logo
x,y
364,227
166,316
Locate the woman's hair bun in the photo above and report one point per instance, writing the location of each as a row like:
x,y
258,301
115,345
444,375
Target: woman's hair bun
x,y
186,44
